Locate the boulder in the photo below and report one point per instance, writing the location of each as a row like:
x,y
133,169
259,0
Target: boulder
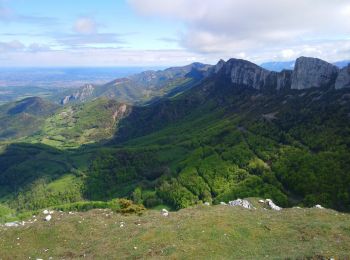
x,y
313,73
318,206
223,203
343,79
165,213
239,202
48,218
45,212
272,205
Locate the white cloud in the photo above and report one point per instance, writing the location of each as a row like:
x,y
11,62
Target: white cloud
x,y
257,28
85,25
11,46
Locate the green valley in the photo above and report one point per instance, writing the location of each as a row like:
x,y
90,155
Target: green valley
x,y
214,143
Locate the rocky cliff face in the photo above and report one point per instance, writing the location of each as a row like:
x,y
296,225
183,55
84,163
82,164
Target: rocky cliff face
x,y
308,73
247,74
343,80
313,73
81,95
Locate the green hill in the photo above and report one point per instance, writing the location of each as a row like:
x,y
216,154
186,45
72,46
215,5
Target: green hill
x,y
78,124
24,118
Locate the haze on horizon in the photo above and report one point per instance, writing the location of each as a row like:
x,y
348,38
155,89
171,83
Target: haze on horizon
x,y
165,32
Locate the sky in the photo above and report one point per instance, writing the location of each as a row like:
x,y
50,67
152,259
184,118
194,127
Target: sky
x,y
170,32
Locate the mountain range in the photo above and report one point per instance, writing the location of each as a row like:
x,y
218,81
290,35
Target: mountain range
x,y
183,136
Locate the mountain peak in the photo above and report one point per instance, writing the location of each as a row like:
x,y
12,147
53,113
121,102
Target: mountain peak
x,y
313,72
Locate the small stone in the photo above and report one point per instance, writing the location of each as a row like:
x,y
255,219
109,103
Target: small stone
x,y
12,224
165,213
223,203
45,212
48,218
318,206
206,203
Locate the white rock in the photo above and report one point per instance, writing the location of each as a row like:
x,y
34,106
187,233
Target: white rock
x,y
261,201
272,205
45,212
12,224
318,206
239,202
48,218
223,203
165,213
206,203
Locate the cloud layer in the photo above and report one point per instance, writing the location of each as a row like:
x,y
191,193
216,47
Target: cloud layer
x,y
258,29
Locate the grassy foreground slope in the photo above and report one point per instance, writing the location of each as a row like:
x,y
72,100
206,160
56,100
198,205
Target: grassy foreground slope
x,y
202,232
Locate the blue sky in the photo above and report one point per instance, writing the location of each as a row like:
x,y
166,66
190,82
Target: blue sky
x,y
168,32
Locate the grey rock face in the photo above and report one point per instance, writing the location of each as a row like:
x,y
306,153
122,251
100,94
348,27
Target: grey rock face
x,y
249,74
82,94
343,80
312,72
219,66
284,79
245,73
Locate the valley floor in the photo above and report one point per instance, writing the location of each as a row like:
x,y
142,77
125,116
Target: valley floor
x,y
202,232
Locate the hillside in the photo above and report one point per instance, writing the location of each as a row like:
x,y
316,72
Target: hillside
x,y
242,131
214,232
24,118
78,124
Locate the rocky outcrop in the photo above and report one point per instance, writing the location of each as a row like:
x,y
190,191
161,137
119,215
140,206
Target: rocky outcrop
x,y
343,80
308,73
242,203
272,205
246,74
82,94
313,73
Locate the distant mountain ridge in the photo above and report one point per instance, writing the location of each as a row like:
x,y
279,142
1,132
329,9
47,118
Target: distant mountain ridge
x,y
149,86
143,87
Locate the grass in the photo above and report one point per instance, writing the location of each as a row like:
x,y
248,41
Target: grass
x,y
202,232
